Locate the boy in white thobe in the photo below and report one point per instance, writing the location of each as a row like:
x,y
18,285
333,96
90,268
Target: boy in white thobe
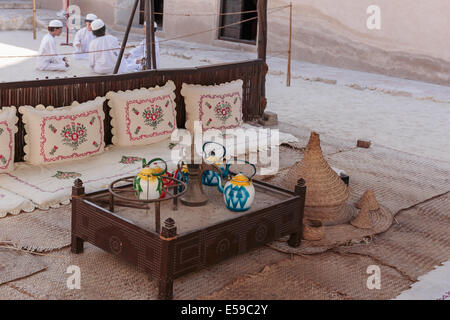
x,y
83,38
48,59
135,57
107,50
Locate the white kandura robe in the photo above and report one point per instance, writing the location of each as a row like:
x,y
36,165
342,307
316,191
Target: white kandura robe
x,y
83,38
49,63
105,61
139,53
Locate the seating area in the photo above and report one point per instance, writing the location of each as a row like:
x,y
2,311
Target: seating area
x,y
100,137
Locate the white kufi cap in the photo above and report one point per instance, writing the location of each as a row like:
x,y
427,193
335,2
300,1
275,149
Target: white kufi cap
x,y
154,24
97,24
55,24
91,17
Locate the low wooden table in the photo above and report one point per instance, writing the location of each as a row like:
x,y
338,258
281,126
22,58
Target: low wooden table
x,y
202,237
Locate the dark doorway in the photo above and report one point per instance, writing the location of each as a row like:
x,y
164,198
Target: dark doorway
x,y
241,32
158,7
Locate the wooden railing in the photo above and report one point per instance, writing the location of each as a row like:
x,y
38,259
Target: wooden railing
x,y
63,91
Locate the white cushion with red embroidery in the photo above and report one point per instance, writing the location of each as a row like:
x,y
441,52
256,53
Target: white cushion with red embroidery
x,y
8,128
63,134
143,116
217,107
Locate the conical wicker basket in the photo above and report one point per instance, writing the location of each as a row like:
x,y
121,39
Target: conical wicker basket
x,y
372,215
326,193
369,200
313,230
363,220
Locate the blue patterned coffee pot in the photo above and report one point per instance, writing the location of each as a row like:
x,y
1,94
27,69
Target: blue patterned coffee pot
x,y
239,192
210,177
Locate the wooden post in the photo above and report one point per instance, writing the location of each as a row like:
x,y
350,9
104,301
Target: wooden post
x,y
67,15
288,81
125,38
262,30
150,35
262,47
34,19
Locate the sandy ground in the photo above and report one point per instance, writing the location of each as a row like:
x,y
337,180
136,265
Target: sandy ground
x,y
433,285
406,115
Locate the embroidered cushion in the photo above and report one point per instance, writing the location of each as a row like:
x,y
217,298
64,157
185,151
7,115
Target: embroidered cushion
x,y
8,128
62,134
143,116
217,107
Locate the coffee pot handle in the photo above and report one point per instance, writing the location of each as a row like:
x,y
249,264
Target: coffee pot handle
x,y
156,160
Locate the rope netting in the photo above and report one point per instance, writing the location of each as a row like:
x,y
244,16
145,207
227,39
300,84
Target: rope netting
x,y
269,11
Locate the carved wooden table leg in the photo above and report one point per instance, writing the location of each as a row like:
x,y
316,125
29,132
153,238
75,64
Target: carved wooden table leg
x,y
77,245
296,238
169,235
77,195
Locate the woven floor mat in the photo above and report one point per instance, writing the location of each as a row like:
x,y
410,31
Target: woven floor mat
x,y
399,180
325,276
334,236
104,276
8,292
15,265
329,144
331,275
419,242
39,231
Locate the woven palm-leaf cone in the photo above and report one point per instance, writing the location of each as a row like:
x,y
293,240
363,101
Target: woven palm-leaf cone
x,y
379,219
363,220
326,193
369,200
312,230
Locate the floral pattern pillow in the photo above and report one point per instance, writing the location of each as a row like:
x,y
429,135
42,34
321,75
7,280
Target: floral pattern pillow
x,y
217,107
143,116
8,128
63,134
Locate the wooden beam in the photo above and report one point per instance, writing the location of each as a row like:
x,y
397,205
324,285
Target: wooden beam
x,y
150,34
262,29
262,47
288,73
34,19
125,38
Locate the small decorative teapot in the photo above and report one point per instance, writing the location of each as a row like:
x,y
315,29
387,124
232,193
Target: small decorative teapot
x,y
148,184
182,173
239,192
210,177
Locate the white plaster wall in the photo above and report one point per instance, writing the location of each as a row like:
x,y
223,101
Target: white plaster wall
x,y
413,41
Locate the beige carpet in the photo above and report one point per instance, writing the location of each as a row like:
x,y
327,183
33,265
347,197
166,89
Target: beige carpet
x,y
420,241
103,276
408,249
39,231
15,265
324,276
